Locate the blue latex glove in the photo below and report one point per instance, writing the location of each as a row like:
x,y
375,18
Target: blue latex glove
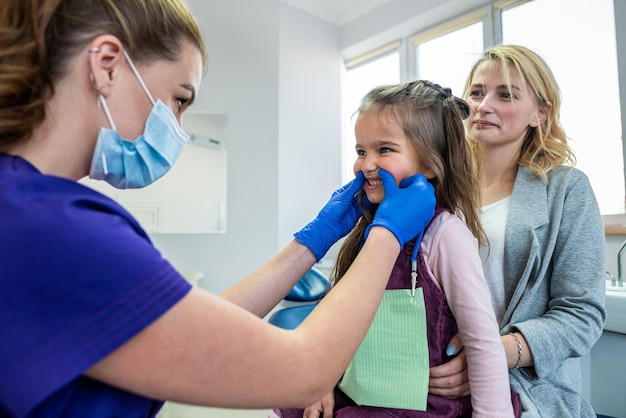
x,y
334,221
406,210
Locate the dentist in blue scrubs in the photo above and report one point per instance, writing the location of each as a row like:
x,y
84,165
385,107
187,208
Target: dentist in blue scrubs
x,y
94,321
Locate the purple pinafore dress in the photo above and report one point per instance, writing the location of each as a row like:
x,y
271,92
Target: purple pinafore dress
x,y
440,326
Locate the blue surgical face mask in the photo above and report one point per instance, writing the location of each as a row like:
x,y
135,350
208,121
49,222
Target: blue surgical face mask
x,y
134,164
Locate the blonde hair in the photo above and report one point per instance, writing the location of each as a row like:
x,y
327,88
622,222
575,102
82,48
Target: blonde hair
x,y
39,37
545,147
433,121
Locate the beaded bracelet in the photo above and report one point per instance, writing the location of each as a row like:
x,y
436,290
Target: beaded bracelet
x,y
519,350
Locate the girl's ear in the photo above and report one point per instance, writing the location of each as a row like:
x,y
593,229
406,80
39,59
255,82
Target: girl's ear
x,y
105,55
542,114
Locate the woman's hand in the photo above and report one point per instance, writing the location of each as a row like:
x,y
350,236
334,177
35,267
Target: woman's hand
x,y
450,379
406,210
321,409
334,221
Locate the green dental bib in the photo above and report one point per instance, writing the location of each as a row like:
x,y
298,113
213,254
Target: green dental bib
x,y
391,368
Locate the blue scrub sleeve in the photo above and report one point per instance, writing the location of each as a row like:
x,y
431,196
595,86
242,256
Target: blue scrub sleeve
x,y
78,278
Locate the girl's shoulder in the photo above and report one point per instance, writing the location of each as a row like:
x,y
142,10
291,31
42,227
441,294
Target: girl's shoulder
x,y
447,229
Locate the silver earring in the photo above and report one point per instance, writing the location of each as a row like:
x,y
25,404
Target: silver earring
x,y
94,49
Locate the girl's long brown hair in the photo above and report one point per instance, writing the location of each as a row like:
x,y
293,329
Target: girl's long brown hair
x,y
433,120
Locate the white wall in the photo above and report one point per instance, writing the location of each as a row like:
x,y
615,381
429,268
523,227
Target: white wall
x,y
309,119
276,72
243,44
395,19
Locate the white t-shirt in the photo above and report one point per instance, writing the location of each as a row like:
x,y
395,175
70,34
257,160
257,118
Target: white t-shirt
x,y
493,218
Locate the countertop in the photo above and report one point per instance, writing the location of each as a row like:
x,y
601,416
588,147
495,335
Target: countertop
x,y
616,310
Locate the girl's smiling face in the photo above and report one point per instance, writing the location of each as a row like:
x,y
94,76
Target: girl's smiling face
x,y
382,143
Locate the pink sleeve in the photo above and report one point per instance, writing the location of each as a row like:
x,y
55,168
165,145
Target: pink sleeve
x,y
451,254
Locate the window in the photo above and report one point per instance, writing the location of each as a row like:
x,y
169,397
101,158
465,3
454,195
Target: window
x,y
447,58
584,63
361,76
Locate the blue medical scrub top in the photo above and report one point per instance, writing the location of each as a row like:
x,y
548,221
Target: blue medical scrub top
x,y
78,278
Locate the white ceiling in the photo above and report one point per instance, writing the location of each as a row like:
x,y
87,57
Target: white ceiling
x,y
336,11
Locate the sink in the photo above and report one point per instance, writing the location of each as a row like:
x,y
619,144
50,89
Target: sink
x,y
616,288
616,309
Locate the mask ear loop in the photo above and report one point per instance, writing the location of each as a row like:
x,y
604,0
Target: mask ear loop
x,y
143,85
105,107
102,102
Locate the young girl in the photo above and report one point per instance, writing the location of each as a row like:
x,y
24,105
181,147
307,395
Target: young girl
x,y
406,129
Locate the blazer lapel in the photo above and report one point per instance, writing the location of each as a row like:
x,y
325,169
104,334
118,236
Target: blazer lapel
x,y
528,211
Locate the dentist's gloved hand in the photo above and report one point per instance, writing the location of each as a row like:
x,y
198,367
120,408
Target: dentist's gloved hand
x,y
334,221
406,210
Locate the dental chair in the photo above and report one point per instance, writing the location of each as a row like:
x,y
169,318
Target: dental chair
x,y
301,300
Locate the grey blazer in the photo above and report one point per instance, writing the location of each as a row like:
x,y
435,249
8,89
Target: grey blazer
x,y
555,287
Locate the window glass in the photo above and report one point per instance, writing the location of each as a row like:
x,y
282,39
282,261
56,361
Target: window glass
x,y
359,81
581,51
447,59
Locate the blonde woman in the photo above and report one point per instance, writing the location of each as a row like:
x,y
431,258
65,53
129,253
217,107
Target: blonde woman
x,y
544,260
